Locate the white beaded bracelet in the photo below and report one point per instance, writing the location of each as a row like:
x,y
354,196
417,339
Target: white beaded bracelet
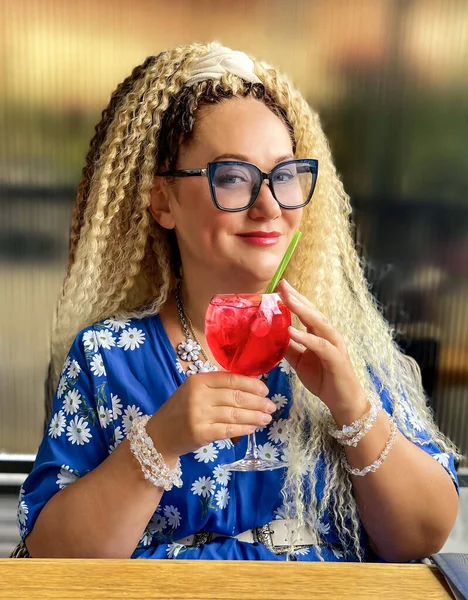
x,y
376,464
368,424
350,435
151,461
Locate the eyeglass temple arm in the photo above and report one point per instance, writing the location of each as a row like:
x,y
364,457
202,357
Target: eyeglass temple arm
x,y
183,173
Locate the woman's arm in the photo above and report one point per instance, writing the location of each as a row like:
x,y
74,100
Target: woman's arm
x,y
409,505
101,515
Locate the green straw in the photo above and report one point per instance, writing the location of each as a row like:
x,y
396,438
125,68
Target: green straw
x,y
284,263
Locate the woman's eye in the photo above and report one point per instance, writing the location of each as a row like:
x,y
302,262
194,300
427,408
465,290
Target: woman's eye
x,y
231,178
284,176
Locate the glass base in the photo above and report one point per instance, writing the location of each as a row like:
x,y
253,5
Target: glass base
x,y
255,464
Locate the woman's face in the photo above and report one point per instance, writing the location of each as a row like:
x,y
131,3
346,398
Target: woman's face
x,y
216,245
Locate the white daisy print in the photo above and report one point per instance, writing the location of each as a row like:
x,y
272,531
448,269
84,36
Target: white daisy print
x,y
279,400
105,416
268,451
172,515
222,497
203,486
105,339
443,458
286,457
22,513
285,367
302,551
415,422
277,432
131,338
116,406
66,364
65,477
157,524
227,443
74,369
221,475
146,539
97,366
179,367
71,402
131,413
206,454
174,549
21,493
62,386
78,431
57,425
322,528
338,554
412,417
89,340
118,437
280,513
116,324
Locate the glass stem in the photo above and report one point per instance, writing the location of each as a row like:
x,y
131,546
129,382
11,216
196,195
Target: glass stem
x,y
252,450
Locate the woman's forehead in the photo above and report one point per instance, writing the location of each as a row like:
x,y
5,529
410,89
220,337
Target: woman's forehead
x,y
240,126
233,111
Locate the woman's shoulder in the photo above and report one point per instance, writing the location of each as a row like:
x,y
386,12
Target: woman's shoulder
x,y
113,343
126,333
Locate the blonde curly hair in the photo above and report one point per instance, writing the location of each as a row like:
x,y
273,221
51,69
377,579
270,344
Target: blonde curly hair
x,y
121,262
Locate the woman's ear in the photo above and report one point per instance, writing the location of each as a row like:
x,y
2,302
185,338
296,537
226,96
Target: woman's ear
x,y
160,205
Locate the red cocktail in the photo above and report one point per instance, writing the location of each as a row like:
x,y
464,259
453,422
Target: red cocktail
x,y
248,334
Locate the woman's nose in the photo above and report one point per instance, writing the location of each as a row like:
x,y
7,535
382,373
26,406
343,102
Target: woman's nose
x,y
265,205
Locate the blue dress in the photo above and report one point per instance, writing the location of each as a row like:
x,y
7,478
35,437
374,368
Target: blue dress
x,y
117,370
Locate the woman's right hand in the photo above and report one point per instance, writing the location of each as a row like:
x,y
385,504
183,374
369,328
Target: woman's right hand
x,y
208,407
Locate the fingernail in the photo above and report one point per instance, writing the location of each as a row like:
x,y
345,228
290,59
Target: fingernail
x,y
288,285
271,407
266,418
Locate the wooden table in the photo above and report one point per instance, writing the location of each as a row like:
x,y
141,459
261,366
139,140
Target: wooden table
x,y
179,579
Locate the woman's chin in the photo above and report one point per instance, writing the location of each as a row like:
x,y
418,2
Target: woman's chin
x,y
259,278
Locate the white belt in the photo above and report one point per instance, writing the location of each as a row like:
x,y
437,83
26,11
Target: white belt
x,y
275,535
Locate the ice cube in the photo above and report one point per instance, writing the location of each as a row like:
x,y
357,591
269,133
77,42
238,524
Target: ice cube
x,y
240,302
261,326
217,301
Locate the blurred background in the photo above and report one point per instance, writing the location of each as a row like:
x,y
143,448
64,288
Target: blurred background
x,y
390,81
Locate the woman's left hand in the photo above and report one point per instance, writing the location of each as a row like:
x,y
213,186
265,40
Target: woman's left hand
x,y
319,355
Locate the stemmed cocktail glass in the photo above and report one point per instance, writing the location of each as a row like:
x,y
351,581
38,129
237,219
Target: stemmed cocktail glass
x,y
248,334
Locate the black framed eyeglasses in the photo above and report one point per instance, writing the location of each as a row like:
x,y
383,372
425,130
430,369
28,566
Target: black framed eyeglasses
x,y
235,185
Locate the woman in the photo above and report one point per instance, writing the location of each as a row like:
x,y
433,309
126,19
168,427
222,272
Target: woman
x,y
152,241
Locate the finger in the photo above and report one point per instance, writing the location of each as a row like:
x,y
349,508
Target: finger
x,y
326,352
244,400
294,353
310,316
222,379
241,416
221,431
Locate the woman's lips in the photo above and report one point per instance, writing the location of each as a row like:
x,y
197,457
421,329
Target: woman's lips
x,y
261,238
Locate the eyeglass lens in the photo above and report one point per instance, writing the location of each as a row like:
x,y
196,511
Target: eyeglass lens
x,y
236,184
